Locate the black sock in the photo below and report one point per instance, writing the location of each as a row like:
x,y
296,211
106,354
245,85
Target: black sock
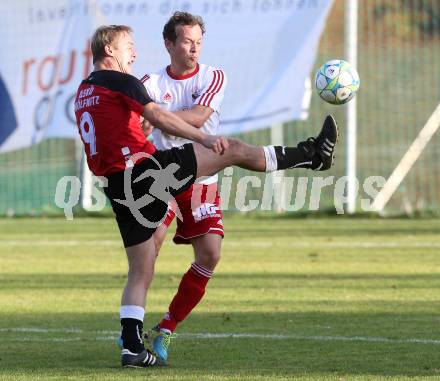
x,y
295,157
132,335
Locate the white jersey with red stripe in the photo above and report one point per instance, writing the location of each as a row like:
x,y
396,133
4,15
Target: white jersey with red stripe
x,y
204,86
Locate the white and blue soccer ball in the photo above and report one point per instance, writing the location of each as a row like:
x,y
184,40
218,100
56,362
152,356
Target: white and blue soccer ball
x,y
337,82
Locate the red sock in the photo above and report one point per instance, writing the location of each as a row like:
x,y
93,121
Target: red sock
x,y
190,292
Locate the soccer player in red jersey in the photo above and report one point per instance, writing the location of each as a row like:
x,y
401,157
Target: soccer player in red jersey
x,y
141,180
193,91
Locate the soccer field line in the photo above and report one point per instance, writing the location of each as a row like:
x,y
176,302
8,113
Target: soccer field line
x,y
340,244
112,335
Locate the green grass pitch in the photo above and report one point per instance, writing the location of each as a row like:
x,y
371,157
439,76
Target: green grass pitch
x,y
307,299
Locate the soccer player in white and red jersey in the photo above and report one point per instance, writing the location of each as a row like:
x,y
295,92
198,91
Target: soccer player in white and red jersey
x,y
193,91
108,106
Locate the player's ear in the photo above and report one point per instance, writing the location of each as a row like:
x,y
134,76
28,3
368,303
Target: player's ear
x,y
108,50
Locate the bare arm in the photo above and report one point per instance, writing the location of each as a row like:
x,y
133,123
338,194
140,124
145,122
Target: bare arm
x,y
196,116
171,124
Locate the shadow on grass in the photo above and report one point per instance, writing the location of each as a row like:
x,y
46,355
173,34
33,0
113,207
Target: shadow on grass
x,y
88,345
265,280
330,232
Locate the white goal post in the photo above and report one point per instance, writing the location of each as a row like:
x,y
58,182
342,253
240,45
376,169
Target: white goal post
x,y
351,52
408,160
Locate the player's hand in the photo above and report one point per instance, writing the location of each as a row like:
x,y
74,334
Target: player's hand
x,y
147,127
218,144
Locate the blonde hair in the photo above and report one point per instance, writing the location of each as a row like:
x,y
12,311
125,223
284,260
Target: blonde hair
x,y
105,35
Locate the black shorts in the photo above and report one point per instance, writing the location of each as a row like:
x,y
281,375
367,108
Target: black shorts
x,y
145,202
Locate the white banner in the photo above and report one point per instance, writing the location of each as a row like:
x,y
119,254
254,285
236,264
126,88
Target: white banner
x,y
265,47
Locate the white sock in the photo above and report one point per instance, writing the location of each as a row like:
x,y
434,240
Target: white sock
x,y
271,158
132,312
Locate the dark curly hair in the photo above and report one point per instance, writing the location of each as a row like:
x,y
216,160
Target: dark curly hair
x,y
180,18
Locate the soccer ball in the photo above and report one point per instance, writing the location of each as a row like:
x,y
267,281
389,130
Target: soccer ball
x,y
337,82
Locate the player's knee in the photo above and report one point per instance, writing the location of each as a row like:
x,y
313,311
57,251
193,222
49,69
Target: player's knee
x,y
215,257
138,276
234,143
210,258
236,147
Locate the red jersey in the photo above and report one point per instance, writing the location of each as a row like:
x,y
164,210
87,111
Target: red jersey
x,y
108,106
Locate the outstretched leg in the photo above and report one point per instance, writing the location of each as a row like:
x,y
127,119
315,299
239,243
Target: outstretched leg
x,y
315,153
